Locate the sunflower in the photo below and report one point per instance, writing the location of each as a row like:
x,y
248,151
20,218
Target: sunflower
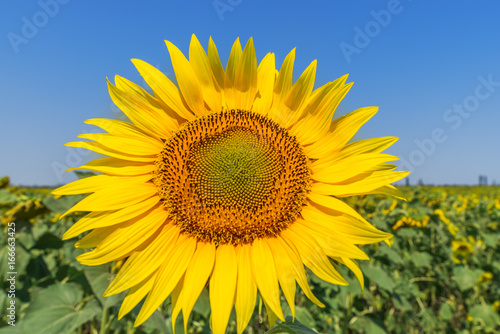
x,y
232,179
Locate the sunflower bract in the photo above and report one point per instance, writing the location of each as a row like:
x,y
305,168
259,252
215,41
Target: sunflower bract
x,y
233,179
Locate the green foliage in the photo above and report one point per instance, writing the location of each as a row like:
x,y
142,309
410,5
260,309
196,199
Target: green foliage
x,y
439,276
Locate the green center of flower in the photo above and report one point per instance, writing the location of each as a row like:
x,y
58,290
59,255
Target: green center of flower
x,y
232,177
235,167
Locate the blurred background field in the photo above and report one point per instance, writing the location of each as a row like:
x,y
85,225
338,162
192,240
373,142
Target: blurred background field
x,y
441,274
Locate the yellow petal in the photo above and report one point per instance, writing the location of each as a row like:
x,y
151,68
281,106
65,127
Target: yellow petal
x,y
145,260
127,144
290,260
265,84
165,117
196,277
232,65
333,245
374,181
343,169
298,95
282,86
285,272
94,238
215,64
163,88
264,273
312,255
389,190
223,287
135,231
168,276
316,125
353,265
136,294
246,290
334,204
348,228
139,111
201,66
365,146
114,198
187,80
114,166
94,183
108,218
117,127
341,131
99,148
245,78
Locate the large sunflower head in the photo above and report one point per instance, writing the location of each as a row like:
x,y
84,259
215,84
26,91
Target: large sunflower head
x,y
233,177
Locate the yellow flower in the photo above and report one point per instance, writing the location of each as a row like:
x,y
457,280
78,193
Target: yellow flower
x,y
461,250
496,306
485,277
234,179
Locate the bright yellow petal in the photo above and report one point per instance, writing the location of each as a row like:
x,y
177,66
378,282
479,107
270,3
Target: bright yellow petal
x,y
201,66
266,75
349,228
114,166
372,182
332,244
168,276
215,64
264,273
140,112
299,95
99,148
136,294
223,287
293,265
145,260
98,182
196,277
127,144
282,86
341,131
108,218
187,80
230,74
245,78
343,169
135,231
163,88
312,255
114,198
246,289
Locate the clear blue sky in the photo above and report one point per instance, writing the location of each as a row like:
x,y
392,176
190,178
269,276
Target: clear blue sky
x,y
426,64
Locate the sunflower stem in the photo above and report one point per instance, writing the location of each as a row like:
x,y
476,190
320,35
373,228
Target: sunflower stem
x,y
104,318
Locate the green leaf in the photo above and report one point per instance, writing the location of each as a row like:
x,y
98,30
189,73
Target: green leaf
x,y
63,204
202,305
55,310
365,324
156,324
48,241
379,277
291,327
486,315
99,278
466,278
446,312
6,197
391,254
421,259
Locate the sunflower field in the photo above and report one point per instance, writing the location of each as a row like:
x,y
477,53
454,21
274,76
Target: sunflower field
x,y
440,274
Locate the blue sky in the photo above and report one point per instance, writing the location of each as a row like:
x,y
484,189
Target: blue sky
x,y
432,68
